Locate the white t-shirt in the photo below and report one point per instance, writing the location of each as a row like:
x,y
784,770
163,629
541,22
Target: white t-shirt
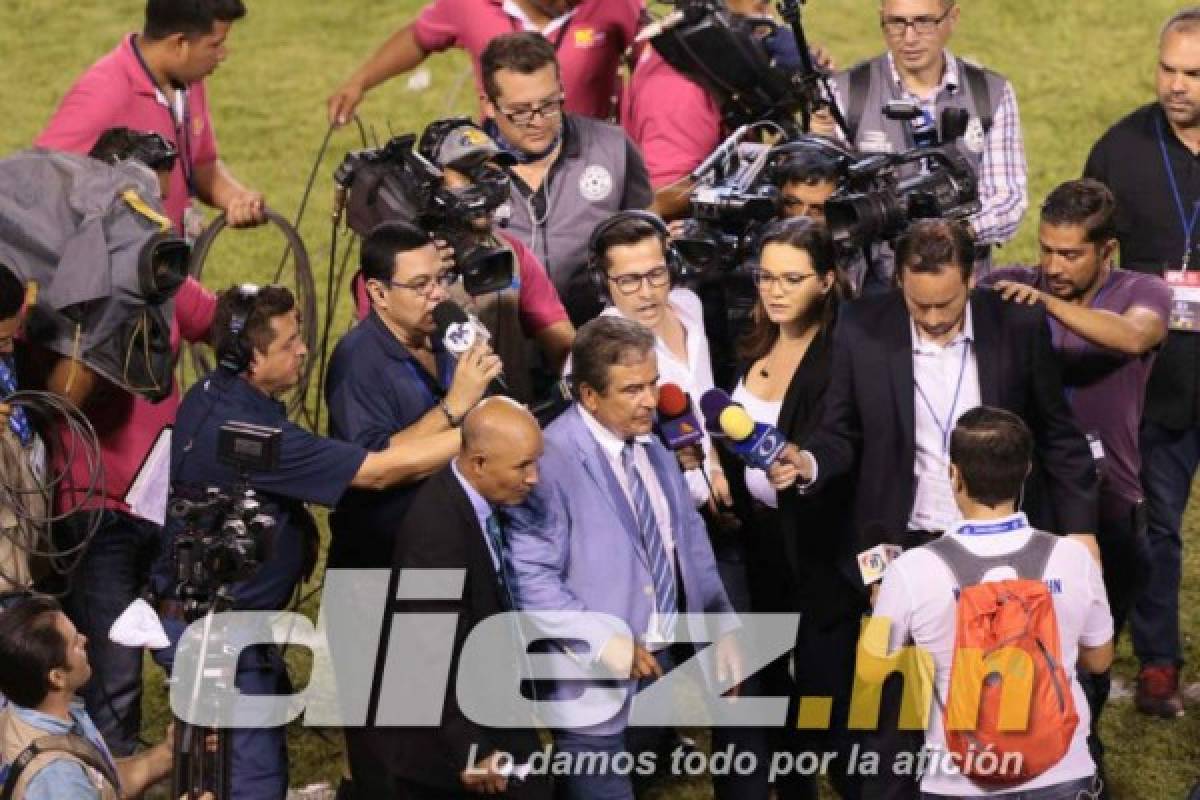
x,y
917,596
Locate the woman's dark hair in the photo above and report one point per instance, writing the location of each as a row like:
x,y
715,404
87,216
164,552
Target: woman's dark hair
x,y
30,646
190,17
813,238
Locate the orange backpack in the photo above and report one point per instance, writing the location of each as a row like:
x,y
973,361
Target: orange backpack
x,y
1010,693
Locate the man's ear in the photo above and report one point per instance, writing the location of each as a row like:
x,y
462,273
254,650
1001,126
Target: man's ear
x,y
956,481
588,397
57,678
1108,252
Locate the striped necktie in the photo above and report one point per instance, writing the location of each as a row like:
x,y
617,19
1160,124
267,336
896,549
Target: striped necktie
x,y
656,553
495,534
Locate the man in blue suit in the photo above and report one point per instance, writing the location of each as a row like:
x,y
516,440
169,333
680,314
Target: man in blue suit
x,y
612,530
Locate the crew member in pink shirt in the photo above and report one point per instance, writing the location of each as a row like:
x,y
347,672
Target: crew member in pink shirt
x,y
589,37
155,82
152,81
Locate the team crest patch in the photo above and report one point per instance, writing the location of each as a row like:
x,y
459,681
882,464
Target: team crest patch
x,y
197,127
973,139
596,183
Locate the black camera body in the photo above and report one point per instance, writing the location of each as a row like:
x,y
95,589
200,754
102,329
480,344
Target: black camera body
x,y
881,195
225,536
396,183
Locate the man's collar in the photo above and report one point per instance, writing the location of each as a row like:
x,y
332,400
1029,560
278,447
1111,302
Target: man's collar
x,y
608,441
48,722
949,73
391,344
1013,523
483,509
511,8
967,334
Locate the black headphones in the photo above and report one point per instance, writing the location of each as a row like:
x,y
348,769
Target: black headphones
x,y
595,266
235,354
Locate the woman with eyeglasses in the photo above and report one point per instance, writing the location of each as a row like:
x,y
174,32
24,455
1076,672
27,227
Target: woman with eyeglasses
x,y
798,557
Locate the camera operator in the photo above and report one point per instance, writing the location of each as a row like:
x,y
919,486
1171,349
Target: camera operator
x,y
134,438
154,81
43,663
531,307
589,35
920,70
676,122
257,337
572,172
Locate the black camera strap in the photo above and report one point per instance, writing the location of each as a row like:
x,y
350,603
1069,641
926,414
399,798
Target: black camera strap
x,y
859,79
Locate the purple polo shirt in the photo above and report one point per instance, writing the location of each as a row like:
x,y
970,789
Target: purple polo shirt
x,y
117,91
1106,389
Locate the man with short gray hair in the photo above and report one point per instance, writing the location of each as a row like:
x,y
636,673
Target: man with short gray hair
x,y
611,529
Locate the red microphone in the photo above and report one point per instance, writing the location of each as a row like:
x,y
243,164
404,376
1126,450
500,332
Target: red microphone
x,y
677,423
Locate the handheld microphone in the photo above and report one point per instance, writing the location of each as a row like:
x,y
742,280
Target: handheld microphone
x,y
712,403
677,423
459,331
873,562
756,443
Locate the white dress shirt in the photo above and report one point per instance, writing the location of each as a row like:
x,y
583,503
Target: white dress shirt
x,y
694,376
757,482
945,386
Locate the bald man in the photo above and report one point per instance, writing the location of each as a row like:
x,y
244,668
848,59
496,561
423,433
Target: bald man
x,y
456,522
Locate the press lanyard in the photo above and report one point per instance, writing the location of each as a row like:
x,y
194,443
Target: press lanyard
x,y
181,119
946,428
1012,525
1188,225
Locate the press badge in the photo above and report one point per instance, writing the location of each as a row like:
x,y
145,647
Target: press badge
x,y
1185,300
1097,448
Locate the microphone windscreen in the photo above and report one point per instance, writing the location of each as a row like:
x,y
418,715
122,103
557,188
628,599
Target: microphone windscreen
x,y
672,401
447,313
712,403
736,423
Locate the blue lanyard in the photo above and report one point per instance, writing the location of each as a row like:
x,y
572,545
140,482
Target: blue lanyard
x,y
182,127
1011,525
1188,225
949,425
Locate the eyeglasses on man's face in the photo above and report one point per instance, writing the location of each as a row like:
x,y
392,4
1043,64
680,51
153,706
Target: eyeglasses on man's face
x,y
523,115
924,25
425,284
632,281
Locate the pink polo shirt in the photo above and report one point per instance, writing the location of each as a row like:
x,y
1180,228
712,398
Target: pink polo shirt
x,y
589,46
117,91
672,120
128,425
538,304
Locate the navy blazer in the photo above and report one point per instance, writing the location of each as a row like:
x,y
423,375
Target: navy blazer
x,y
868,425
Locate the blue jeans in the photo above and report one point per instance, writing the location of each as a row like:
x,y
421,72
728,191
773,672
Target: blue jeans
x,y
1169,462
112,573
1082,789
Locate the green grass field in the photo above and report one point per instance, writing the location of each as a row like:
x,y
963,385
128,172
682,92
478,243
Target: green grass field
x,y
1077,67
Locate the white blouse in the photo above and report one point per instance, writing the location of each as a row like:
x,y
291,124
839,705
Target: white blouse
x,y
759,410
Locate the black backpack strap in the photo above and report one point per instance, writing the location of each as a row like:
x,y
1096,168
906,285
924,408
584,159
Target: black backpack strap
x,y
71,744
977,85
968,569
858,87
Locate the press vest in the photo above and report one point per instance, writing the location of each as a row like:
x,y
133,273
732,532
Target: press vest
x,y
16,735
583,188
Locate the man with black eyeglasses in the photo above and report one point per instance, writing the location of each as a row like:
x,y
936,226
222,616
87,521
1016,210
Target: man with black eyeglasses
x,y
918,68
572,172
